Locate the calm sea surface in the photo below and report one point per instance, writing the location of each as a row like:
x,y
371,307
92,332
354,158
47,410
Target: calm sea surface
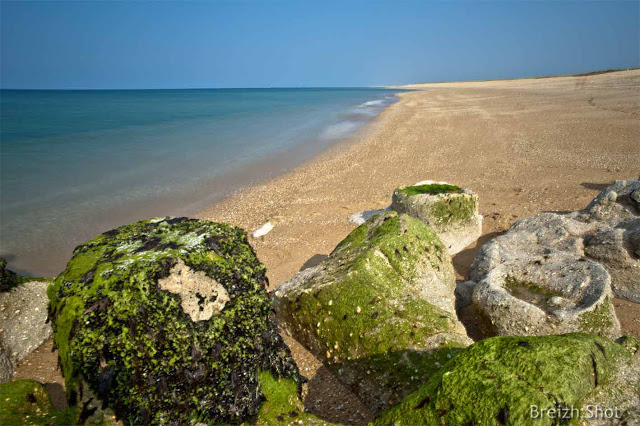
x,y
74,164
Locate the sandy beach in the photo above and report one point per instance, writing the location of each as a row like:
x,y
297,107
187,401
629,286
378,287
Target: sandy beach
x,y
525,146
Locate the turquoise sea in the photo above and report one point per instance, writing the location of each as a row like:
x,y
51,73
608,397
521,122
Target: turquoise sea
x,y
74,164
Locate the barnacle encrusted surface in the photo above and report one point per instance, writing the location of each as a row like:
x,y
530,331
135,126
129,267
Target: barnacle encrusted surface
x,y
168,320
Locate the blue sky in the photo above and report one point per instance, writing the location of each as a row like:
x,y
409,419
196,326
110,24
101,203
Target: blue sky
x,y
290,44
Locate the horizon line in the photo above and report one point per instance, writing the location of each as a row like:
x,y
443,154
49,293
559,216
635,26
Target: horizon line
x,y
387,86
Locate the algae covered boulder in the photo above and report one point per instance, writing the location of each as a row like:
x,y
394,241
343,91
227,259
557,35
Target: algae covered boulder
x,y
518,380
168,321
450,210
379,310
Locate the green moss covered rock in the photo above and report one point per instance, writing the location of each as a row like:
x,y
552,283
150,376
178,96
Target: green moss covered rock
x,y
498,380
450,210
168,321
26,402
379,310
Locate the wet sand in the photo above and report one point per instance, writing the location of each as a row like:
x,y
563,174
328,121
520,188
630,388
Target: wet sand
x,y
525,146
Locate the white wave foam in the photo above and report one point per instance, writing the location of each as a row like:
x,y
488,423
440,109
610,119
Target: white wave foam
x,y
377,102
339,130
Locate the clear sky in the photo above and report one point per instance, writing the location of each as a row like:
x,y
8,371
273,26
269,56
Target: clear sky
x,y
290,44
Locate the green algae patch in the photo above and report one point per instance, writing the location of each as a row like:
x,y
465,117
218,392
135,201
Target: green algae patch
x,y
168,321
451,211
455,209
282,403
26,402
599,320
497,380
433,188
443,205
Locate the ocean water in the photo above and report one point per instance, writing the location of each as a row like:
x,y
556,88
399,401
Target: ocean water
x,y
74,164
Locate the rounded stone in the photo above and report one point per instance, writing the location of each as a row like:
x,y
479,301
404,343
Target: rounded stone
x,y
168,321
450,210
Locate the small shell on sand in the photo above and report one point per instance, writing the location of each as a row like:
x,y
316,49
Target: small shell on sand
x,y
263,230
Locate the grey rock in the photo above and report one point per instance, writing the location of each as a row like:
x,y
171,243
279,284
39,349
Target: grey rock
x,y
616,244
606,231
451,211
616,203
635,198
618,249
23,316
361,217
549,294
464,293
